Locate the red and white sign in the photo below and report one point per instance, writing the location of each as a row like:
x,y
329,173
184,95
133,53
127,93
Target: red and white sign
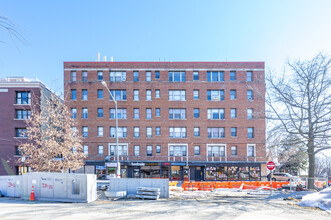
x,y
271,165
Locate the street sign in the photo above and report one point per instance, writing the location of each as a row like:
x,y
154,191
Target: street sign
x,y
271,165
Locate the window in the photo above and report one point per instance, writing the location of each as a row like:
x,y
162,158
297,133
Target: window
x,y
84,113
216,132
122,132
157,93
73,76
23,114
149,131
176,76
196,94
215,95
233,94
136,95
196,132
216,151
117,76
215,113
122,150
177,150
84,76
74,113
148,113
85,131
85,150
73,94
120,95
249,113
250,132
20,133
149,150
157,112
195,75
249,76
233,132
121,113
215,76
100,131
196,150
158,149
136,150
135,76
136,113
100,149
234,150
249,94
148,76
177,132
84,94
177,113
148,95
136,132
177,95
233,75
18,151
100,75
157,74
196,113
24,98
100,94
158,131
250,151
233,113
100,112
74,129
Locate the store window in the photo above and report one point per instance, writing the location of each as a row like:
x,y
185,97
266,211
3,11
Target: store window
x,y
243,173
233,173
255,173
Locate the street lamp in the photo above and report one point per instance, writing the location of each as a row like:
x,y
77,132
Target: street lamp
x,y
118,169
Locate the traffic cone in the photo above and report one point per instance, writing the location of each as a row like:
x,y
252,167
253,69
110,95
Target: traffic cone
x,y
32,194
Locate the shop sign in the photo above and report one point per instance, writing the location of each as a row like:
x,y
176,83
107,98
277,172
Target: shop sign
x,y
178,164
151,164
111,164
100,167
137,164
166,164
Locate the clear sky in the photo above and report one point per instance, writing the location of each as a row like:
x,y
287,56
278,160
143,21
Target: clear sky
x,y
247,30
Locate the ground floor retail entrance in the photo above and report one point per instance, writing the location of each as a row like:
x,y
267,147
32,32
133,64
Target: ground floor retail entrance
x,y
204,171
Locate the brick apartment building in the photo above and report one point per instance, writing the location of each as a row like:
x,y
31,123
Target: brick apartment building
x,y
177,120
17,95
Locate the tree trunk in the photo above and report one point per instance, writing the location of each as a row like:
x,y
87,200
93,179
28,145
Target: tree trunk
x,y
311,167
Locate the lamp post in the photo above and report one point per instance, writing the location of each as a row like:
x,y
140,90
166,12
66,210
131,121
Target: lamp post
x,y
118,168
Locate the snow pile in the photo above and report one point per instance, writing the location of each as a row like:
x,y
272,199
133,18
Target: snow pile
x,y
320,200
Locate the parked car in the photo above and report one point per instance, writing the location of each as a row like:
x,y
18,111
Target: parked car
x,y
280,176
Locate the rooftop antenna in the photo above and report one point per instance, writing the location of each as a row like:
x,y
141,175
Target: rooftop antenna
x,y
98,57
111,59
104,58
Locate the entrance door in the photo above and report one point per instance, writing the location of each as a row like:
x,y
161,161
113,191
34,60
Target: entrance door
x,y
198,174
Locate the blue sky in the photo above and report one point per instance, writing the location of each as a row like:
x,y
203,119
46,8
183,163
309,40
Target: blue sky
x,y
57,31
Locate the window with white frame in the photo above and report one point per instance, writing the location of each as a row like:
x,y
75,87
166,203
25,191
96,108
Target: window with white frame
x,y
136,113
196,150
216,132
196,131
196,113
233,150
100,131
85,150
250,151
25,114
177,132
100,149
215,95
250,113
149,150
85,131
148,95
148,76
233,132
74,112
117,76
73,76
84,94
196,94
158,149
195,75
121,113
84,76
157,93
249,76
74,129
100,75
136,132
148,113
215,113
176,76
84,113
177,150
233,94
136,150
157,131
177,113
177,95
149,131
23,98
122,132
136,95
215,76
216,150
120,94
233,113
122,150
250,132
250,95
135,76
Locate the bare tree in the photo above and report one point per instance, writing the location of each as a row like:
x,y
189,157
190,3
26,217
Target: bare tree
x,y
53,143
323,165
301,100
12,30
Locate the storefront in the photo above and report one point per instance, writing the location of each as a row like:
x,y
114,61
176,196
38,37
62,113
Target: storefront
x,y
233,172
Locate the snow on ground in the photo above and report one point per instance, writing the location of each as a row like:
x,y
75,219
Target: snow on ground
x,y
320,200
